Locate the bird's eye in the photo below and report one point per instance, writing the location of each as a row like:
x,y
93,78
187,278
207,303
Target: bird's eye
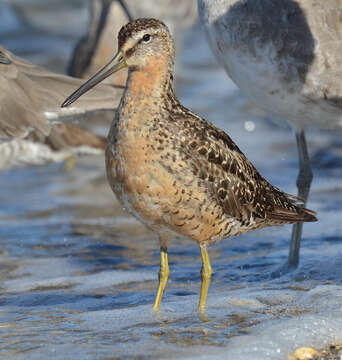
x,y
146,37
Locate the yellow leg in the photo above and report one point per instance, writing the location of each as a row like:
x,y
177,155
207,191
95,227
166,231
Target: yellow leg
x,y
69,163
206,273
163,276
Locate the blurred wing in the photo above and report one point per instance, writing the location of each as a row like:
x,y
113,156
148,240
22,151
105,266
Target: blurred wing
x,y
30,98
64,136
18,115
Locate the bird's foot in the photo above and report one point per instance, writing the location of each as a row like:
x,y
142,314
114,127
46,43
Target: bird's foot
x,y
284,269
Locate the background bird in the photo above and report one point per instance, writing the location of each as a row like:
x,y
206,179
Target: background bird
x,y
29,112
285,56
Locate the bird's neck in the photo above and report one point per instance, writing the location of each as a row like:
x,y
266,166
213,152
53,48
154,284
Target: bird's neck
x,y
147,99
148,86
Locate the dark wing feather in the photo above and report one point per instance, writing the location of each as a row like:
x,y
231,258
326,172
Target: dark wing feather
x,y
230,177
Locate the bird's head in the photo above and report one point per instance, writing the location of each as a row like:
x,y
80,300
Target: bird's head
x,y
142,44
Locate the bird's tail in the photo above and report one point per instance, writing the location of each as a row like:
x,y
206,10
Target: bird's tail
x,y
290,216
291,210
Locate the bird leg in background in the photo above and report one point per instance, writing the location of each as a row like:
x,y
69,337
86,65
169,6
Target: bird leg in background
x,y
126,10
206,273
163,276
303,184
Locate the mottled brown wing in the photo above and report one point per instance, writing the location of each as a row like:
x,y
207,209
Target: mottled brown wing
x,y
229,176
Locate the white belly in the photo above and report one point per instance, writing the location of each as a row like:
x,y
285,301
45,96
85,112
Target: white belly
x,y
292,101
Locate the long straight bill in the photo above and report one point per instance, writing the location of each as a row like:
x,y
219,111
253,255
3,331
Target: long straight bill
x,y
118,62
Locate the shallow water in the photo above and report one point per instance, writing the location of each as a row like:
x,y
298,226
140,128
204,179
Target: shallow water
x,y
78,275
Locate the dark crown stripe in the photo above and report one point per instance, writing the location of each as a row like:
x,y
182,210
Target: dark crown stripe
x,y
137,26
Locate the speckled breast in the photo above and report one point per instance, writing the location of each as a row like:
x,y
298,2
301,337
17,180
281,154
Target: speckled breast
x,y
159,191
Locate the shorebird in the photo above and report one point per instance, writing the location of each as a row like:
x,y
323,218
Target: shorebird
x,y
29,110
285,55
106,19
174,171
